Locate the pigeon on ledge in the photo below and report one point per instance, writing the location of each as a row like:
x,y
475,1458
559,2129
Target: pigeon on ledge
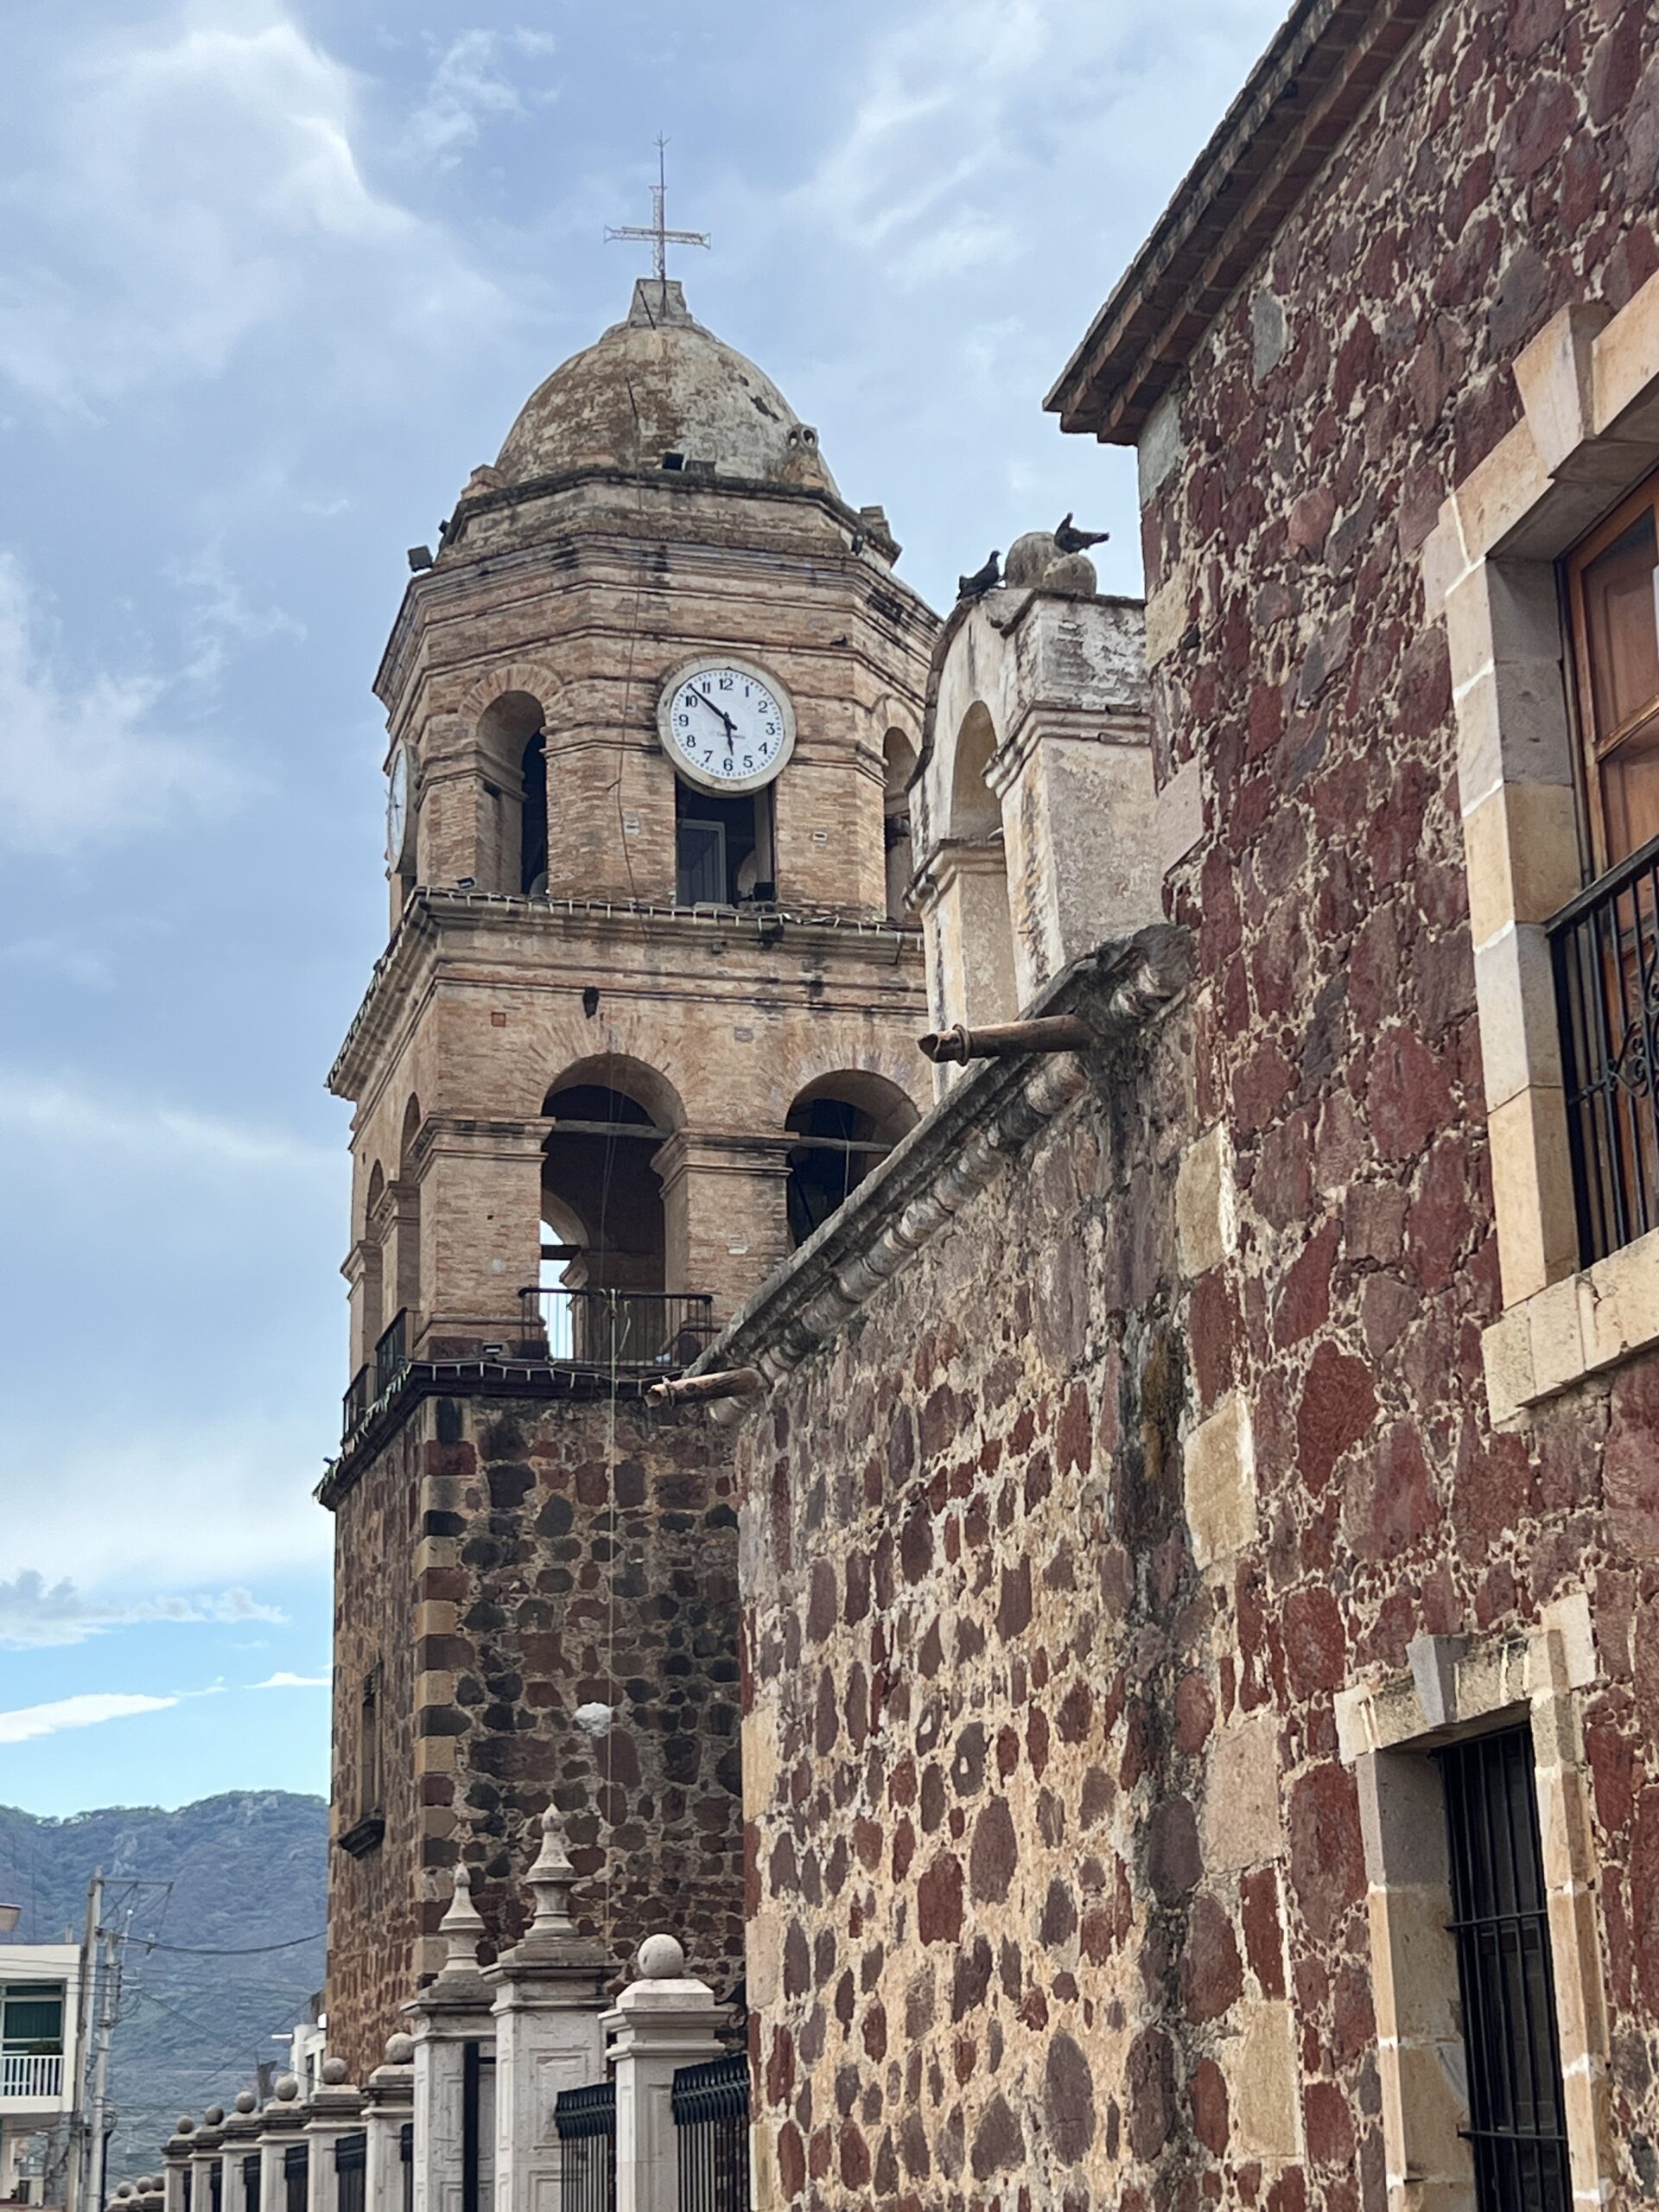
x,y
982,580
1078,541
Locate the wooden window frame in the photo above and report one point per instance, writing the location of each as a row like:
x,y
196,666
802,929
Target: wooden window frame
x,y
1594,751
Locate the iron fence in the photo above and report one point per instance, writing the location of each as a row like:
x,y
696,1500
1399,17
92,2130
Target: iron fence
x,y
216,2186
477,2127
406,2159
711,2119
350,2172
621,1331
585,2122
251,2181
391,1354
1604,951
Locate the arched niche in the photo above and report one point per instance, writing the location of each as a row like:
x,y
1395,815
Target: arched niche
x,y
609,1115
844,1123
899,765
974,811
403,1277
372,1261
513,801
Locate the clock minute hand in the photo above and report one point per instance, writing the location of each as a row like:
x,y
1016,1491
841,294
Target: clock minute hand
x,y
731,730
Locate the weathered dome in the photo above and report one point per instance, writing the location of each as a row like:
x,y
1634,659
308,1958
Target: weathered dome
x,y
658,386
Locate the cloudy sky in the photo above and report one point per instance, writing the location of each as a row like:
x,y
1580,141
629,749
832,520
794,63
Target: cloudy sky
x,y
273,279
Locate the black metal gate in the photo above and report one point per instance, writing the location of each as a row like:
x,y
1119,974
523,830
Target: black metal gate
x,y
1500,1918
711,2115
296,2177
477,2127
585,2120
251,2181
216,2185
351,2173
406,2156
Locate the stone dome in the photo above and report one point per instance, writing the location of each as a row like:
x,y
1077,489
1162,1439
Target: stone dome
x,y
658,386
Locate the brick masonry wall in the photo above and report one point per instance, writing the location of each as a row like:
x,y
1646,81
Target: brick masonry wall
x,y
1057,1875
506,1562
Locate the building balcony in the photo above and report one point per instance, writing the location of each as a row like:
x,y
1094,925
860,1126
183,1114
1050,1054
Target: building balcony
x,y
31,2079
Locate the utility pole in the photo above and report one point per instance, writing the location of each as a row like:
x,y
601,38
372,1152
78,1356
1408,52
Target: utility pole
x,y
100,2015
81,2161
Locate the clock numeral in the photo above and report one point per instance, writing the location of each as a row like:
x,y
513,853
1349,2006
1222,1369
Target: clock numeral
x,y
771,729
728,682
682,722
748,763
728,766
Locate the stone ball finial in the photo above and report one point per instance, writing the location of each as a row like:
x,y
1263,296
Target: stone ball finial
x,y
1028,559
333,2072
215,2116
661,1958
400,2048
1072,576
125,2190
287,2087
246,2101
186,2125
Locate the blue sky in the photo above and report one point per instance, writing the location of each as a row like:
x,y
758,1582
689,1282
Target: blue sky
x,y
273,280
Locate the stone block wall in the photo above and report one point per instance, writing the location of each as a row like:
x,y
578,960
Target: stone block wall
x,y
505,1561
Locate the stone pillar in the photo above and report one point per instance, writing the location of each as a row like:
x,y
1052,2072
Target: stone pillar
x,y
176,2165
237,2137
204,2158
389,2104
336,2110
285,2126
550,1992
665,2020
725,1212
451,2017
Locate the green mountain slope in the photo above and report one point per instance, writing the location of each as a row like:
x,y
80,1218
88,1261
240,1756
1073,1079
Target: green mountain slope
x,y
247,1869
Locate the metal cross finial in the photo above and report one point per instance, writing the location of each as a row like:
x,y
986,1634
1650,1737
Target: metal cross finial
x,y
659,232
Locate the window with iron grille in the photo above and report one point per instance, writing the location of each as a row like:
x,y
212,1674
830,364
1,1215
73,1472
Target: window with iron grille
x,y
296,2170
1517,2122
350,2172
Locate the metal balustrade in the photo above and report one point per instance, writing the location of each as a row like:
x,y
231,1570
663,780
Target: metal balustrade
x,y
710,2105
1605,950
585,2122
350,2172
31,2073
621,1331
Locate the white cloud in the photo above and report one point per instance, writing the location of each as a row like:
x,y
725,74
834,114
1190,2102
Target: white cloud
x,y
199,184
81,762
282,1681
27,1722
218,615
469,86
61,1114
34,1613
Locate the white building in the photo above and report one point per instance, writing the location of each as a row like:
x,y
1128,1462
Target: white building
x,y
40,1985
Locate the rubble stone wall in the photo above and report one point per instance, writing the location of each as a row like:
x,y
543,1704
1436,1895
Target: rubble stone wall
x,y
549,1565
1059,1556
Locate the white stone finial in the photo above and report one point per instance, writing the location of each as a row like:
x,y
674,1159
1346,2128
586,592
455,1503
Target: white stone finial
x,y
333,2072
661,1958
551,1880
287,2087
215,2116
462,1926
246,2101
400,2050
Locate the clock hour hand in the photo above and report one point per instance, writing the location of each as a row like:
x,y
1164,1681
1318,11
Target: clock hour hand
x,y
731,728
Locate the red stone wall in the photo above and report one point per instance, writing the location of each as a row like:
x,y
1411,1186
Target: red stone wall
x,y
507,1560
1009,1943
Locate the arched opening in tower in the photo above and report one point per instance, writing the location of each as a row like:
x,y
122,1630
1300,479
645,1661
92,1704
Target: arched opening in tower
x,y
598,1182
723,848
845,1123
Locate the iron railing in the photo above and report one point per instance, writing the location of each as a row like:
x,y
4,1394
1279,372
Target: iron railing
x,y
585,2122
296,2177
1604,949
31,2073
1501,1921
216,2186
621,1331
251,2181
350,2172
477,2127
406,2159
711,2119
391,1354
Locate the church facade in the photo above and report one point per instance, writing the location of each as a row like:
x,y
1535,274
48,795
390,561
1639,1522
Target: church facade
x,y
1139,1646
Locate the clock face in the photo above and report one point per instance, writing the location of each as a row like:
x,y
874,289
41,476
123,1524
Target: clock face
x,y
398,807
725,726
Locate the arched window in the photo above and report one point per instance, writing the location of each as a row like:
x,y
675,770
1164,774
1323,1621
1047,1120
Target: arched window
x,y
844,1123
899,757
513,819
374,1260
984,922
406,1273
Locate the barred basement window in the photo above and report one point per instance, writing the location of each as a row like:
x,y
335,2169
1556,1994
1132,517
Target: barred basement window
x,y
1517,2126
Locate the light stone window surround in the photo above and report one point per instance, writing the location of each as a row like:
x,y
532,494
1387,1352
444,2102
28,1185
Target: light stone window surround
x,y
1589,385
1461,1686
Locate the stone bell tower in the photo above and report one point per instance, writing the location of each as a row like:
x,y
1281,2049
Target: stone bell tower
x,y
647,1011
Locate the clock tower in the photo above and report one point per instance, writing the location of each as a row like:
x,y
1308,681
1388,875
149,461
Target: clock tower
x,y
647,1011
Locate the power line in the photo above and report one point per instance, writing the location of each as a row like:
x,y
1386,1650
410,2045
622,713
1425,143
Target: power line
x,y
252,1951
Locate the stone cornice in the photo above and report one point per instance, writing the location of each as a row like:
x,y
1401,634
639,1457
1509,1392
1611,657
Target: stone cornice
x,y
392,986
955,1152
1298,104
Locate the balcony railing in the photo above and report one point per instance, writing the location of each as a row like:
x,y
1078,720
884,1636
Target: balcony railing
x,y
38,2075
1604,947
621,1331
370,1384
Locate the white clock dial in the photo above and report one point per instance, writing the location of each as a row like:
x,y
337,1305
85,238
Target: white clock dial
x,y
725,726
398,807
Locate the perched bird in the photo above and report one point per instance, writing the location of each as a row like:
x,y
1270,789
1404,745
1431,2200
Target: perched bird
x,y
982,580
1078,541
